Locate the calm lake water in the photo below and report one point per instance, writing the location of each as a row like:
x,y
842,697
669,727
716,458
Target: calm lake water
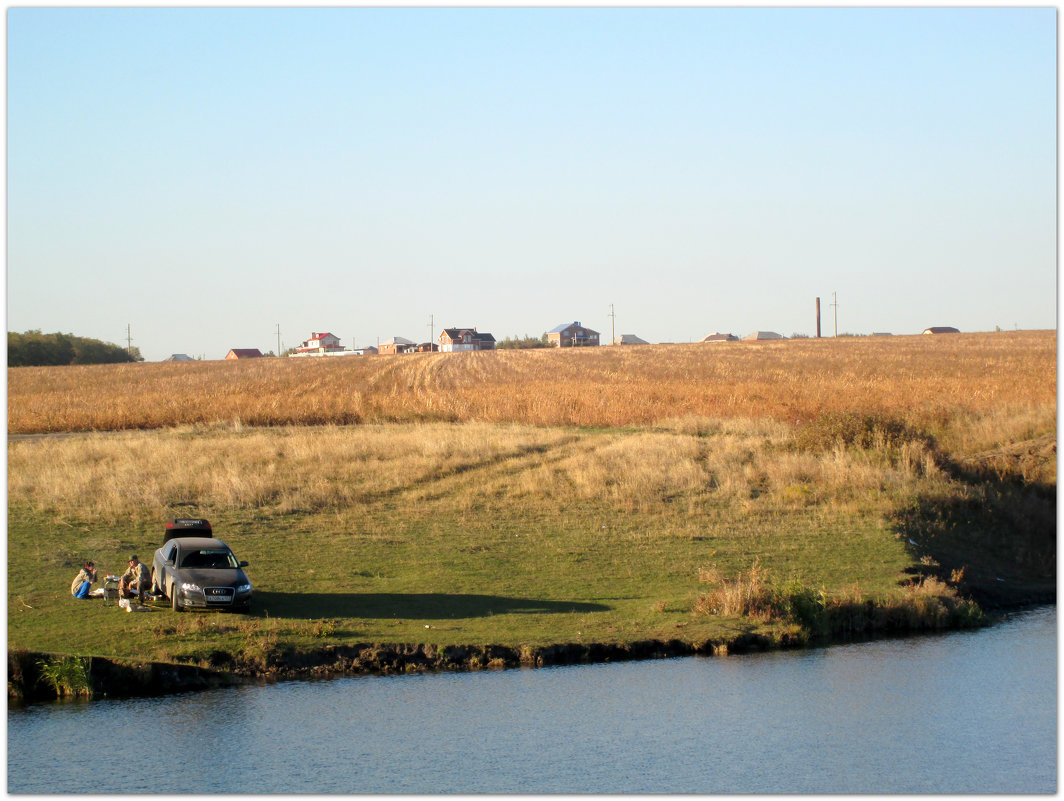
x,y
971,712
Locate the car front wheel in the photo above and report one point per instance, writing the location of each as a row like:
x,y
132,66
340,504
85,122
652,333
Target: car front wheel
x,y
173,599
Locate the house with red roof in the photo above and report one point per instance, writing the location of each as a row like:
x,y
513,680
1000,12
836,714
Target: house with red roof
x,y
324,344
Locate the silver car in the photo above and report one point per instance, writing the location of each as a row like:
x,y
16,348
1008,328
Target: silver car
x,y
197,572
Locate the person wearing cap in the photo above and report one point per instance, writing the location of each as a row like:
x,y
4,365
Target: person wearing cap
x,y
86,576
135,580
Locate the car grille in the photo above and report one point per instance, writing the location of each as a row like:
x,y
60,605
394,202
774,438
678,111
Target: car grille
x,y
222,596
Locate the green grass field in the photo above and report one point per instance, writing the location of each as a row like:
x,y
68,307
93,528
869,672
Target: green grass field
x,y
480,534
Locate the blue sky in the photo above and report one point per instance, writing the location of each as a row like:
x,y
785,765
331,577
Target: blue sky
x,y
204,175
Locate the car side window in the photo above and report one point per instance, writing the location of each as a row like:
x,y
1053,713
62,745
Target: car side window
x,y
169,555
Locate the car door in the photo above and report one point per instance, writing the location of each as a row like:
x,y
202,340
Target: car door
x,y
169,562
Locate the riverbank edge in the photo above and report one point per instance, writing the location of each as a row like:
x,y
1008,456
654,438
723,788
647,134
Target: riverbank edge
x,y
115,678
112,678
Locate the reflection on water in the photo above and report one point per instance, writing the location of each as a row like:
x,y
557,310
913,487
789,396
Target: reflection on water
x,y
971,712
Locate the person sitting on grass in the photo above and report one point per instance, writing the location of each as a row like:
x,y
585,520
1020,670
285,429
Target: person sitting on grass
x,y
135,580
86,576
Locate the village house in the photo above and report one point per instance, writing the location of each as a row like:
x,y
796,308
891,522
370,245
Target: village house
x,y
453,340
369,350
244,353
325,344
572,335
759,336
629,339
941,329
396,345
718,337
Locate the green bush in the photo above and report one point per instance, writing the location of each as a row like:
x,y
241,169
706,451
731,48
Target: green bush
x,y
68,675
34,349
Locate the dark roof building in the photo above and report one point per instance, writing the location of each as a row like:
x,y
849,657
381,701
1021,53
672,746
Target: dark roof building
x,y
244,353
453,340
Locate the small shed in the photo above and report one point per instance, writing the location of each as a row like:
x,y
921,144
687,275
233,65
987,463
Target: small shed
x,y
718,337
941,329
178,357
760,336
629,339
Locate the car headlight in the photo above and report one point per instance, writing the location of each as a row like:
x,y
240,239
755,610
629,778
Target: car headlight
x,y
244,588
189,587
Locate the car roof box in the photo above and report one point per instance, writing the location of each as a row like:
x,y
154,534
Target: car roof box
x,y
187,527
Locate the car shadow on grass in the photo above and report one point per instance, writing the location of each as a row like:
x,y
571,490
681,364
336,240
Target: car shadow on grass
x,y
417,606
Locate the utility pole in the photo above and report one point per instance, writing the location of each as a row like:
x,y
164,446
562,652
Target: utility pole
x,y
432,330
818,318
129,340
835,306
613,326
278,339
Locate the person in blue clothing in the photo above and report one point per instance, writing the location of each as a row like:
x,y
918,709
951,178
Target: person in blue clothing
x,y
86,576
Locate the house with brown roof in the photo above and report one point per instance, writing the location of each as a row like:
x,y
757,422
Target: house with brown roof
x,y
572,335
453,340
244,353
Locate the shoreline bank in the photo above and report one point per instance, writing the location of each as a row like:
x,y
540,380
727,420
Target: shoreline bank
x,y
109,678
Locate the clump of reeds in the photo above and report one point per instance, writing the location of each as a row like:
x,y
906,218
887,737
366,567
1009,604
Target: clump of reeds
x,y
66,675
921,604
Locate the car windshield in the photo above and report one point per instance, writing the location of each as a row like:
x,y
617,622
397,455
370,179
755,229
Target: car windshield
x,y
208,559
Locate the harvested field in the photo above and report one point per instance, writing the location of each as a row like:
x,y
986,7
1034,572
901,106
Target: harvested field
x,y
920,379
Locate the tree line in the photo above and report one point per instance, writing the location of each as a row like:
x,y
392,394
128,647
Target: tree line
x,y
34,349
521,343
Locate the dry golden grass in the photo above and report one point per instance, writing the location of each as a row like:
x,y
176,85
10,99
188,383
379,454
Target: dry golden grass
x,y
922,380
693,467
